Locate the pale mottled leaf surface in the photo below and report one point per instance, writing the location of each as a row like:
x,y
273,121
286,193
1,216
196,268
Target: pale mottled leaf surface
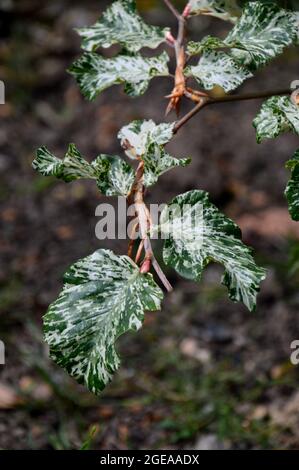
x,y
72,167
210,236
277,115
121,24
292,189
262,33
216,68
136,137
208,42
94,73
228,10
104,296
157,162
114,176
146,140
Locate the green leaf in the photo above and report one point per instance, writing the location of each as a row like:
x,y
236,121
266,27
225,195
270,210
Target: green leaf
x,y
146,140
277,115
72,167
95,73
292,189
208,42
262,33
223,9
157,162
137,136
218,68
103,297
121,24
201,234
114,176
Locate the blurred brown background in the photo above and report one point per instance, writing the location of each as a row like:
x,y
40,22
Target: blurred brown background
x,y
204,372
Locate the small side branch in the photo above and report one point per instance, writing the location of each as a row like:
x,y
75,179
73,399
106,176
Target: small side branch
x,y
173,9
205,101
179,78
249,96
144,226
202,103
161,275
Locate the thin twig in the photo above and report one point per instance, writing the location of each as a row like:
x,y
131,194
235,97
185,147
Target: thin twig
x,y
161,275
132,240
144,225
131,248
225,99
172,8
189,115
179,79
249,96
139,251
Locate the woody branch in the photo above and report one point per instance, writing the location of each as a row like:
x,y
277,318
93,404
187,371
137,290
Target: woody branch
x,y
144,225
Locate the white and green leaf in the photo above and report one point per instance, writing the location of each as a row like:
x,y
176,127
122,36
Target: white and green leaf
x,y
228,10
157,162
121,24
216,68
114,176
146,140
136,137
292,189
206,235
262,33
277,115
103,297
208,42
95,73
72,167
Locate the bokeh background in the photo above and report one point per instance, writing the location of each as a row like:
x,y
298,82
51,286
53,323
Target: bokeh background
x,y
202,374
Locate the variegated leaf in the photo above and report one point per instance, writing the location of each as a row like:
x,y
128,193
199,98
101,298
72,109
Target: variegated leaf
x,y
146,140
72,167
138,135
278,114
114,176
95,73
121,24
206,235
292,189
216,68
228,10
104,296
208,42
262,33
157,162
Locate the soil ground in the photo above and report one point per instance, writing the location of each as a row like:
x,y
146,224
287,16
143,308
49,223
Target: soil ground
x,y
204,372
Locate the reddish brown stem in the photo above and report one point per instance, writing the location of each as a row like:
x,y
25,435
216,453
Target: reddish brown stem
x,y
205,101
144,226
172,8
179,81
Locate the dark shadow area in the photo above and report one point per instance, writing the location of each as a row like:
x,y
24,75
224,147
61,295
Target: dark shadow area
x,y
203,372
